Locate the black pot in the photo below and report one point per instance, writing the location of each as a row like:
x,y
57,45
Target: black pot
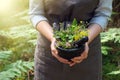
x,y
73,52
70,53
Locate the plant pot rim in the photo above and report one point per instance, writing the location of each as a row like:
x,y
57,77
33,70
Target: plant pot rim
x,y
68,49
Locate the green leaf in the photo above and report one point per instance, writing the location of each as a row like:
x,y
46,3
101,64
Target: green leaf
x,y
16,69
74,23
5,54
105,50
114,72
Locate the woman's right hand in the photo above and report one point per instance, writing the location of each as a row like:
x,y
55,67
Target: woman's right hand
x,y
55,53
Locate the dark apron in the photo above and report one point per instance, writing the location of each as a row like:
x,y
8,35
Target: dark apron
x,y
48,67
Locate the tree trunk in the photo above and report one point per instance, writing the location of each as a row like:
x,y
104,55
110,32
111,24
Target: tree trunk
x,y
116,14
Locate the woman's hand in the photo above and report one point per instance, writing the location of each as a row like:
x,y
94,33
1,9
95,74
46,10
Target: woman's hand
x,y
55,53
83,56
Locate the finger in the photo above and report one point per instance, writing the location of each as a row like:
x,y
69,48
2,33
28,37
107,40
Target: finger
x,y
79,61
55,54
84,55
76,58
72,64
53,49
62,60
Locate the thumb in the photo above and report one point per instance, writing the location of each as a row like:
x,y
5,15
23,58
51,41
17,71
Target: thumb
x,y
53,48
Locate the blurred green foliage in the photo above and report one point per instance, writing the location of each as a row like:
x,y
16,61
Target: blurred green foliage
x,y
17,45
111,54
18,40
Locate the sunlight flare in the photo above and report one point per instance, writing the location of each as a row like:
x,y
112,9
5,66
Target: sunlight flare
x,y
5,5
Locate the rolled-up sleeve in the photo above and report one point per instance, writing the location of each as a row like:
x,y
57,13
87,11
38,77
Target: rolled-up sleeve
x,y
36,12
102,13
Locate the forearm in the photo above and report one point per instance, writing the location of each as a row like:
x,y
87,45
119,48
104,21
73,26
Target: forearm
x,y
94,30
45,29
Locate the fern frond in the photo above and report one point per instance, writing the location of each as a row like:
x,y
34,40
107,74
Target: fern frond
x,y
5,55
22,31
16,70
105,50
113,34
114,72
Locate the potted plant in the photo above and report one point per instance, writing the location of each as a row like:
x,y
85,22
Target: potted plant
x,y
70,41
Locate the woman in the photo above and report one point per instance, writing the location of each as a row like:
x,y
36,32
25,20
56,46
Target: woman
x,y
50,66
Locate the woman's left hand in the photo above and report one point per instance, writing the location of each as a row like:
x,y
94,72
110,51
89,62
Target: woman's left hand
x,y
83,56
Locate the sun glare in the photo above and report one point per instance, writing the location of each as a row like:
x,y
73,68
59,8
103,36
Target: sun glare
x,y
5,5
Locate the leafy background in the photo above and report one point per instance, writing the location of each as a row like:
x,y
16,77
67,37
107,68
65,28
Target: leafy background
x,y
18,40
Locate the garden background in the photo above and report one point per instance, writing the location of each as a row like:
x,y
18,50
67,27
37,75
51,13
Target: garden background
x,y
18,40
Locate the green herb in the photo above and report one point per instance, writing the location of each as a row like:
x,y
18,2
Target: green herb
x,y
74,32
